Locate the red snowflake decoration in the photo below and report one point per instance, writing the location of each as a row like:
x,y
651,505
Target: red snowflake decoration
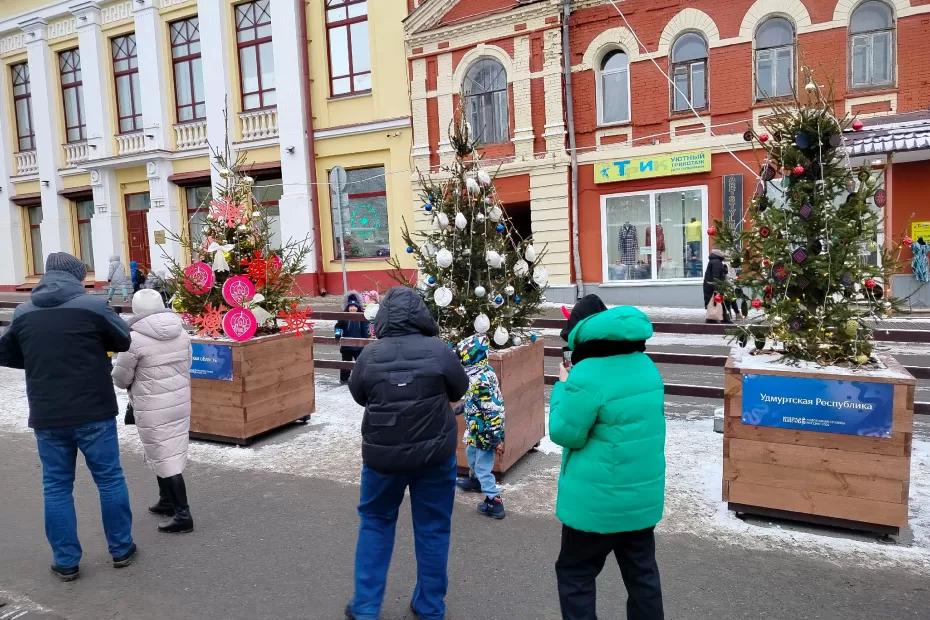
x,y
295,319
226,210
210,323
258,271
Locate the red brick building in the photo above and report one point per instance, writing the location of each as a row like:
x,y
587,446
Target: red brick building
x,y
656,163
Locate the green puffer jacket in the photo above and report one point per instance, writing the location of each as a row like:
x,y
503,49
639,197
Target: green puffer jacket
x,y
610,418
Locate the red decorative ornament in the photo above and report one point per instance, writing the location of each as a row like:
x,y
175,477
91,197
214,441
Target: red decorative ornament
x,y
858,125
766,262
870,283
764,232
240,324
763,138
244,262
718,298
799,170
210,322
227,211
711,231
907,242
237,290
295,319
258,271
756,303
198,278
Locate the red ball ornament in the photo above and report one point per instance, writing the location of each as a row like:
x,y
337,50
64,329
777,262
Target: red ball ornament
x,y
799,170
244,262
764,232
763,138
907,242
766,262
711,231
869,283
756,303
858,125
718,298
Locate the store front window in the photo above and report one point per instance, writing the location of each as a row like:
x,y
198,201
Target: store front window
x,y
34,222
365,218
85,212
654,235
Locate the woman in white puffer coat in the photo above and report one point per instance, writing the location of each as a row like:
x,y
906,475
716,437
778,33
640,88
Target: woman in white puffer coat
x,y
156,370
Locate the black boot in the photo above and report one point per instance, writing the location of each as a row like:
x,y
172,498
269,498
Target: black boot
x,y
164,506
181,522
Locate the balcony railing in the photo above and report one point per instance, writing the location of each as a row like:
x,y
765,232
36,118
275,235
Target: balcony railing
x,y
259,125
26,163
130,143
188,136
75,153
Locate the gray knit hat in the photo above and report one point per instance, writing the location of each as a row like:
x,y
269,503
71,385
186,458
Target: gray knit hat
x,y
62,261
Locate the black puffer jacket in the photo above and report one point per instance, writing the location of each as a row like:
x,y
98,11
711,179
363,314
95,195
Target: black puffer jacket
x,y
61,338
715,273
405,381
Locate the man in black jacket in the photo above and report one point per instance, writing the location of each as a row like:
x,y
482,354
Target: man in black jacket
x,y
406,381
61,339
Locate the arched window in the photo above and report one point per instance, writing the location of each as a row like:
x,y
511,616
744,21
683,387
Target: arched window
x,y
871,45
774,58
689,71
486,102
614,88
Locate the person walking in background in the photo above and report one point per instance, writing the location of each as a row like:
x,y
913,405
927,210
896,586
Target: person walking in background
x,y
484,424
61,338
406,381
351,329
714,275
612,482
117,279
156,371
156,282
136,276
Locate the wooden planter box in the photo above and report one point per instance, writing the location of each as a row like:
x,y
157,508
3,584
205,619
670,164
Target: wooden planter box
x,y
272,385
520,371
847,480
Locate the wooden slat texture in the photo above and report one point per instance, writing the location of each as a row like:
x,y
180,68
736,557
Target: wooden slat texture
x,y
806,457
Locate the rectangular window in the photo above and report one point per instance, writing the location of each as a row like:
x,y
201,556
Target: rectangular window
x,y
128,92
655,235
72,95
85,212
256,58
691,84
190,102
34,218
872,59
365,218
196,200
22,104
267,193
349,48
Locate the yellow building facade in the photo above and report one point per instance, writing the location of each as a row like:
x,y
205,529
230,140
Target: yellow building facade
x,y
111,112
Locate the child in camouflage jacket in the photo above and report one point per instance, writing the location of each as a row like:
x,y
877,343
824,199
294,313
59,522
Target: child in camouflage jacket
x,y
483,407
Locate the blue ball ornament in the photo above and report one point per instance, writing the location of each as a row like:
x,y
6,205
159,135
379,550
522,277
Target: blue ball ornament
x,y
499,300
428,206
500,228
533,337
517,299
409,250
431,279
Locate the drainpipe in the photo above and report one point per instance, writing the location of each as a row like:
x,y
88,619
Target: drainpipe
x,y
311,149
570,125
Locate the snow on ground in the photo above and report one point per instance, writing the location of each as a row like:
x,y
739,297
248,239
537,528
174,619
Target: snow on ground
x,y
328,447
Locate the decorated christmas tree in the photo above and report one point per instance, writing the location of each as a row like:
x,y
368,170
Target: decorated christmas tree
x,y
808,254
238,284
476,274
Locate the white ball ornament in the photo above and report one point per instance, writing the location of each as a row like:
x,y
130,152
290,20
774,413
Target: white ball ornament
x,y
460,221
442,220
509,291
501,336
495,261
495,213
484,178
442,296
541,277
521,268
480,291
472,186
811,87
517,341
482,323
444,258
480,217
530,254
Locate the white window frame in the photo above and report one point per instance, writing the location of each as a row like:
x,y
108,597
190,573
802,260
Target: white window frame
x,y
870,36
599,89
605,261
773,51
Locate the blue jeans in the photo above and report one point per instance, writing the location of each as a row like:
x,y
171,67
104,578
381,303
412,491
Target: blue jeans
x,y
432,494
481,462
58,449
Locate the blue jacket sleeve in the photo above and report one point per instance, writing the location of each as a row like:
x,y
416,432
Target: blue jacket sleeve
x,y
572,414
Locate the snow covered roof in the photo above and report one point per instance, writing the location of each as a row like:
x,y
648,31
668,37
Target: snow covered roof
x,y
891,134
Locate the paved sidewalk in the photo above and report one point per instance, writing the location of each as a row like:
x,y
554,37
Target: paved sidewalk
x,y
280,546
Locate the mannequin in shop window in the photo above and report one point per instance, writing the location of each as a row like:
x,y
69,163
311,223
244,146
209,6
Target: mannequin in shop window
x,y
693,236
919,261
628,247
659,248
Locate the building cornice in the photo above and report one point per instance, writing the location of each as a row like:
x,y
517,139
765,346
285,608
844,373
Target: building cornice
x,y
454,31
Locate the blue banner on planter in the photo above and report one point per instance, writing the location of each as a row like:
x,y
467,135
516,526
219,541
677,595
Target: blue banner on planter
x,y
828,406
211,361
